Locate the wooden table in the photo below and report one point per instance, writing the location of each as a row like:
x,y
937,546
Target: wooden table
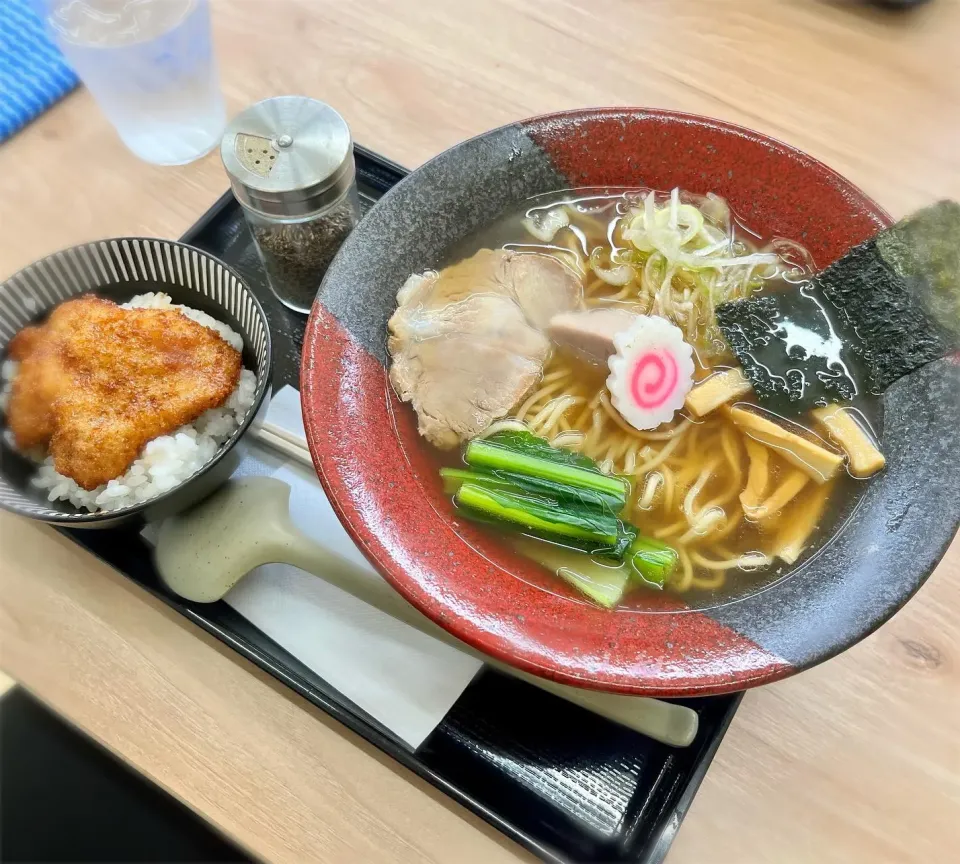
x,y
855,761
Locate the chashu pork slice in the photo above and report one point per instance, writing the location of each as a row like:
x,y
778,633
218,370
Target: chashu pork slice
x,y
541,285
466,343
589,335
464,365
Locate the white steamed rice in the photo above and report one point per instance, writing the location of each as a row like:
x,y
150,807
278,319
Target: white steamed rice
x,y
167,460
8,371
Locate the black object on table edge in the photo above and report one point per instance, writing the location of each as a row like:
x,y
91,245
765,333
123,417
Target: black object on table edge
x,y
566,784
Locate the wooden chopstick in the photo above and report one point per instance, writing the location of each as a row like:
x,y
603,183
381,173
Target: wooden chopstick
x,y
284,442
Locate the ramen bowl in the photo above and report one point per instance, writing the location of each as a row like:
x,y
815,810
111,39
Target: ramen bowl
x,y
119,269
382,481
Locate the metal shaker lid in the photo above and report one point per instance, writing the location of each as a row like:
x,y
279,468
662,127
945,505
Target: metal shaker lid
x,y
288,156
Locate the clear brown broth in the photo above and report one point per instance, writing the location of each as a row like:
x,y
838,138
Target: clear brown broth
x,y
748,537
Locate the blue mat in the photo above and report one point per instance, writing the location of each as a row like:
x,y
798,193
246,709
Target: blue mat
x,y
33,73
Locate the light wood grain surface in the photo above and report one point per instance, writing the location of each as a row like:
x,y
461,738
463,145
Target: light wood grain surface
x,y
855,761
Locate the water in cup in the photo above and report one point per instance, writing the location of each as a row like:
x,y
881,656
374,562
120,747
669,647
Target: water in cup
x,y
150,66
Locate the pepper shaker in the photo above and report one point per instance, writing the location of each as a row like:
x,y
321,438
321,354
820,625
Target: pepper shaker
x,y
290,162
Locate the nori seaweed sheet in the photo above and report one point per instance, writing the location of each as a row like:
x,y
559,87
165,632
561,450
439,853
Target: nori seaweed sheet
x,y
896,299
789,349
894,333
924,249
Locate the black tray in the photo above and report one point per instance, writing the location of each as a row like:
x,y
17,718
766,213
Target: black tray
x,y
563,782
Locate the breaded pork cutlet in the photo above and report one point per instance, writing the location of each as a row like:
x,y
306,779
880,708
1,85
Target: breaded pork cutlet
x,y
96,382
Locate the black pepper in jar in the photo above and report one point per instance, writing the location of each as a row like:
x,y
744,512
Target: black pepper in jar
x,y
297,254
290,161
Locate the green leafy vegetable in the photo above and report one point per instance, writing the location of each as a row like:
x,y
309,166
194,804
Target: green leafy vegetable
x,y
627,534
522,441
602,583
567,508
525,454
531,445
577,546
518,484
454,478
538,515
652,560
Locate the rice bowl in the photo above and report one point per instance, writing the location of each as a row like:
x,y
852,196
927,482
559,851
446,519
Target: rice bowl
x,y
165,461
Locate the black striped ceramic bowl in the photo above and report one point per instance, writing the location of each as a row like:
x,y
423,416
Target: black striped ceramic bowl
x,y
120,269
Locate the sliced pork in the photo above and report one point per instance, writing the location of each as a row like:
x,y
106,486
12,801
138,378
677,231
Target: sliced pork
x,y
589,335
466,343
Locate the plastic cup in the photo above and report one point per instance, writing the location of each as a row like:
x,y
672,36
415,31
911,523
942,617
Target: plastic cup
x,y
150,66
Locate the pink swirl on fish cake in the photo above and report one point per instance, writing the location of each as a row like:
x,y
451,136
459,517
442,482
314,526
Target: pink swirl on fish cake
x,y
653,378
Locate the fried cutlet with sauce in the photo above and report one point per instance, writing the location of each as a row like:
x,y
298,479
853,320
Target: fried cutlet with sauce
x,y
96,382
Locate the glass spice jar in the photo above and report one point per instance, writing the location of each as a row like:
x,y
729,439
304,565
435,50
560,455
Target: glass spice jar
x,y
290,162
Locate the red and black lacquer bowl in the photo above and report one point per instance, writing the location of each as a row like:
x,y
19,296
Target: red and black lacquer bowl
x,y
383,484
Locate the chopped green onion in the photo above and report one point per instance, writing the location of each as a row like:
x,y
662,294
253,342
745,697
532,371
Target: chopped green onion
x,y
618,275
